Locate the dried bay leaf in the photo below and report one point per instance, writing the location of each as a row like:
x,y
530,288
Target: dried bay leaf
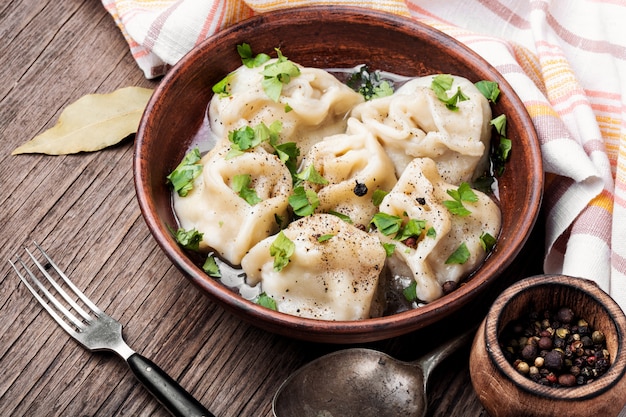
x,y
91,123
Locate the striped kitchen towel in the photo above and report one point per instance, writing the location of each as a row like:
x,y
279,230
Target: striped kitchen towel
x,y
566,62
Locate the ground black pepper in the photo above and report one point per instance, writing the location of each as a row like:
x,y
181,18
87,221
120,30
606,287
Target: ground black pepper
x,y
555,348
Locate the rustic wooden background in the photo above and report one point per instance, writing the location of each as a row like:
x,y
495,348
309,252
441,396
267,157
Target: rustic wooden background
x,y
82,208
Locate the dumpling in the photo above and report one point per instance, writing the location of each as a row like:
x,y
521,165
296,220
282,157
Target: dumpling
x,y
229,224
319,282
355,166
317,105
413,122
419,194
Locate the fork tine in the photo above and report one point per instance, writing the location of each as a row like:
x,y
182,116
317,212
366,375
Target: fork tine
x,y
69,283
43,302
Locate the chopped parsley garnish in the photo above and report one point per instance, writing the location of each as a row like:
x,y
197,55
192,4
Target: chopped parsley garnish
x,y
188,239
221,88
386,223
324,238
500,152
440,85
248,58
342,216
463,193
487,241
266,301
410,292
489,89
303,202
241,185
246,137
281,249
459,256
277,74
431,232
288,153
500,124
311,175
188,170
413,228
389,248
377,196
369,84
211,268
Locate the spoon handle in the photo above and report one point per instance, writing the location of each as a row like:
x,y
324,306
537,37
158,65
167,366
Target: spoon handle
x,y
429,361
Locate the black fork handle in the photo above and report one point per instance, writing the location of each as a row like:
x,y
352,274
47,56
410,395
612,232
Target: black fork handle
x,y
165,389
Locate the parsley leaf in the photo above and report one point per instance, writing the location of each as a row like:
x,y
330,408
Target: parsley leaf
x,y
410,292
248,58
311,175
389,248
278,74
440,85
303,202
459,256
188,239
342,216
324,238
369,84
246,137
413,228
487,241
241,185
281,249
386,223
266,301
188,170
221,87
211,268
500,124
288,153
463,193
489,89
377,196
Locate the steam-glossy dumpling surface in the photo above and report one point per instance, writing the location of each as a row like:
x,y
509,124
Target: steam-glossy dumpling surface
x,y
229,224
336,279
311,106
413,123
355,166
419,194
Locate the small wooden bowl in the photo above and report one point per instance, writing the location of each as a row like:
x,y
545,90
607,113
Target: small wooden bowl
x,y
505,392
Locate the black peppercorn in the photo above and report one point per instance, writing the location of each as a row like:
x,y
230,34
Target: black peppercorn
x,y
555,349
360,189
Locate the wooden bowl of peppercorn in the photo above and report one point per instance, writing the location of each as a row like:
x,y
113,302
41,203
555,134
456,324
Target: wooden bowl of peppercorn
x,y
551,345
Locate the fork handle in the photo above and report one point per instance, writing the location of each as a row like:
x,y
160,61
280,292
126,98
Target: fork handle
x,y
165,389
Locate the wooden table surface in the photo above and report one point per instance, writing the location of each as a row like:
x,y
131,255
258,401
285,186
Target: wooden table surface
x,y
82,209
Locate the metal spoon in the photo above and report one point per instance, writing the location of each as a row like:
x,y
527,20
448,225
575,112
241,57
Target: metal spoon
x,y
361,382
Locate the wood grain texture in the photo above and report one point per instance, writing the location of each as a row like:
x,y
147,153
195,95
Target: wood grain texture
x,y
82,209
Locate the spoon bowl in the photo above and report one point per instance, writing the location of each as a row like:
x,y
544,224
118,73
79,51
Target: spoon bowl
x,y
361,382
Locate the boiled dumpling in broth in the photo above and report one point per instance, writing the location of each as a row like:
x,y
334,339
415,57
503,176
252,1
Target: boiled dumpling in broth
x,y
229,224
419,194
414,123
311,106
331,278
355,166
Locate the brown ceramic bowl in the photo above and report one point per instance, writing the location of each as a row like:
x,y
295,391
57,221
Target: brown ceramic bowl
x,y
503,391
329,37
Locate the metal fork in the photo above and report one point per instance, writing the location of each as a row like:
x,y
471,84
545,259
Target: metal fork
x,y
97,331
